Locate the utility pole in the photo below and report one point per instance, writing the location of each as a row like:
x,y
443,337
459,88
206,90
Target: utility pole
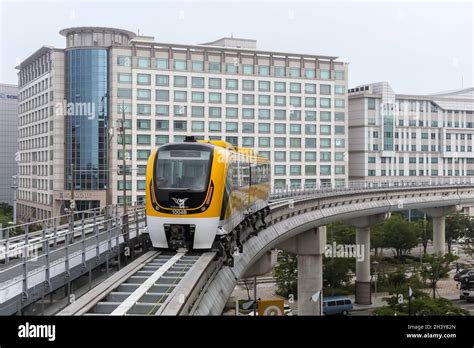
x,y
124,178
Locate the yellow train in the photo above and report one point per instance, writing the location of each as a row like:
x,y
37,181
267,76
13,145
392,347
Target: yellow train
x,y
201,192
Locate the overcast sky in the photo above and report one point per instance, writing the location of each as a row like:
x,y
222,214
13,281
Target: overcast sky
x,y
418,47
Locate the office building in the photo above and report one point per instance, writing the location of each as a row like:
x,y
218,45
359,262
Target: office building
x,y
289,107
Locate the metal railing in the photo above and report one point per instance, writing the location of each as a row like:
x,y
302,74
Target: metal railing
x,y
350,186
55,233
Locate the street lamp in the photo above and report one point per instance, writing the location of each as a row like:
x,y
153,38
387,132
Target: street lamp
x,y
121,129
375,264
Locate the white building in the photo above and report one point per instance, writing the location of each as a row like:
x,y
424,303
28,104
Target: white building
x,y
403,137
289,107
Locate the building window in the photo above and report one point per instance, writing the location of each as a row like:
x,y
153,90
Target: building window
x,y
197,82
162,64
264,70
248,141
180,126
124,78
143,62
371,103
144,94
310,143
325,74
295,72
310,88
280,156
339,89
310,156
125,93
162,124
143,124
214,97
232,84
215,83
310,73
247,69
197,126
214,67
124,60
248,85
143,79
264,127
214,126
279,169
197,65
161,139
248,99
263,114
310,115
143,154
180,81
180,110
197,97
295,87
280,142
180,96
231,127
231,112
340,75
162,95
215,112
162,80
280,87
231,68
264,142
325,89
340,103
179,64
197,111
144,109
143,139
247,127
280,100
295,170
324,170
248,113
280,128
325,102
279,71
162,110
264,86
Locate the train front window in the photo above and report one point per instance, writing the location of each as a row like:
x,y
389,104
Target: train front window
x,y
183,169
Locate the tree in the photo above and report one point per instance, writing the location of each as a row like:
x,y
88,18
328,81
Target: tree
x,y
286,275
421,304
341,233
437,267
399,235
336,272
457,225
377,239
424,231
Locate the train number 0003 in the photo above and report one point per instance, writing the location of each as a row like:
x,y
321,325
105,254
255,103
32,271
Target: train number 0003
x,y
179,212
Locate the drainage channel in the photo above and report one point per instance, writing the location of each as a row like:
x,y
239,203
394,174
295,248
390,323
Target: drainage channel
x,y
146,291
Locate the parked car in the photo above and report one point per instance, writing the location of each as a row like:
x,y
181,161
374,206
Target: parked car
x,y
337,305
464,272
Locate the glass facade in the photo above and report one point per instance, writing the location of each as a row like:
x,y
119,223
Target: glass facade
x,y
86,90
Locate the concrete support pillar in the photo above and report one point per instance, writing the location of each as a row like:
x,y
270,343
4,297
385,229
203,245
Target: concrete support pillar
x,y
263,266
439,222
309,248
363,294
439,234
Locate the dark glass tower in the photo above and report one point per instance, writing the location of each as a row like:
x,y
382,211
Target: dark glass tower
x,y
86,94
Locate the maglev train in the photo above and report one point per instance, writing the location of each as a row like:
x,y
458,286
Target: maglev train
x,y
199,190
